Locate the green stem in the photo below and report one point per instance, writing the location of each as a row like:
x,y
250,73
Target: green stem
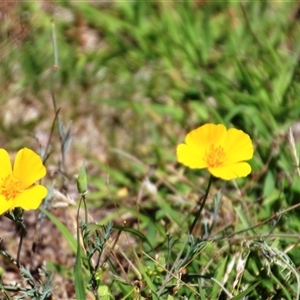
x,y
23,232
202,204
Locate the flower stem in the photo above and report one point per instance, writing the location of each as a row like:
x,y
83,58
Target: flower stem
x,y
23,233
202,204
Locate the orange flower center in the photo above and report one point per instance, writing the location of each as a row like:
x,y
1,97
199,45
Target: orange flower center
x,y
10,187
215,156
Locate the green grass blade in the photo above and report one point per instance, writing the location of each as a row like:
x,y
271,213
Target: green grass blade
x,y
62,228
78,275
246,292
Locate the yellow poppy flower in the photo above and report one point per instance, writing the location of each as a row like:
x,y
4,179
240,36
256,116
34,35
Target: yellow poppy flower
x,y
223,152
17,188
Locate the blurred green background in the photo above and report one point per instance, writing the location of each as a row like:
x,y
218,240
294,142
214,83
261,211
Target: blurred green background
x,y
135,76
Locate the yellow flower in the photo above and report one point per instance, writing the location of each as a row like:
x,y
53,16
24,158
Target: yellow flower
x,y
221,151
17,188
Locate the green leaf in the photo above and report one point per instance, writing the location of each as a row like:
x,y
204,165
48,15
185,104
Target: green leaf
x,y
246,292
219,276
79,281
127,229
62,228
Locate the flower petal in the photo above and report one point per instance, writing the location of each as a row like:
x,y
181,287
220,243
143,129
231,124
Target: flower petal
x,y
5,164
201,138
5,205
31,198
238,146
28,167
241,169
197,142
187,156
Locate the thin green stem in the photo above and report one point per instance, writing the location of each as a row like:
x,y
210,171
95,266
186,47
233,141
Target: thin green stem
x,y
85,209
23,232
55,66
45,154
201,205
